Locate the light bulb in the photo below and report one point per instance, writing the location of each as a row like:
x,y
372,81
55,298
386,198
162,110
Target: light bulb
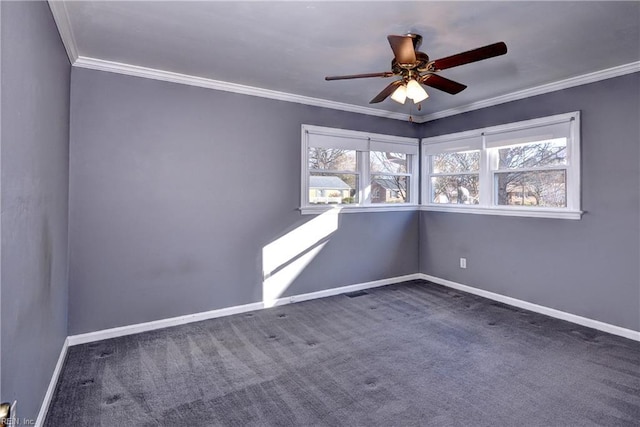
x,y
416,92
400,94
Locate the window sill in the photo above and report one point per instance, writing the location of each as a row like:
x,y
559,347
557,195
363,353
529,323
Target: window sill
x,y
503,211
315,210
507,211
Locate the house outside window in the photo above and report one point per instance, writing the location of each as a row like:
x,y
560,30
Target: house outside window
x,y
328,189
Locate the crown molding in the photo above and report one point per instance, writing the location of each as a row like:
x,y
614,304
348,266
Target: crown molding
x,y
61,17
595,76
168,76
150,73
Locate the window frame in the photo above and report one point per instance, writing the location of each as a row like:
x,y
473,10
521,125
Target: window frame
x,y
477,139
366,142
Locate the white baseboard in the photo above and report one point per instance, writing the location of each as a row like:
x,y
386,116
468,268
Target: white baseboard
x,y
563,315
159,324
346,289
228,311
52,385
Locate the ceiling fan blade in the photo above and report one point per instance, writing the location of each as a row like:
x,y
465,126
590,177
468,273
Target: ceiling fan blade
x,y
386,92
443,84
474,55
360,76
403,49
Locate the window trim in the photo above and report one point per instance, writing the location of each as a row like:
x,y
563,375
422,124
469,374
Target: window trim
x,y
486,173
363,171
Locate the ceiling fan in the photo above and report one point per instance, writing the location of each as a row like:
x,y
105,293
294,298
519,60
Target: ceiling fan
x,y
416,69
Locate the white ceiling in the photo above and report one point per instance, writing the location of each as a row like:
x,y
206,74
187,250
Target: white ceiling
x,y
290,46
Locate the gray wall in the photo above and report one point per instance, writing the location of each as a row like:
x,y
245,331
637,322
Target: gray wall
x,y
175,190
34,190
588,267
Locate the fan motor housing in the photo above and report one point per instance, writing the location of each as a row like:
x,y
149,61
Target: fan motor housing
x,y
421,64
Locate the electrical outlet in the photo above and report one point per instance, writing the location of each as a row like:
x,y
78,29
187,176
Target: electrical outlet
x,y
463,263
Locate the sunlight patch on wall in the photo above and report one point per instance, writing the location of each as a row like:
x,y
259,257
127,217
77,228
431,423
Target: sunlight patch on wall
x,y
286,257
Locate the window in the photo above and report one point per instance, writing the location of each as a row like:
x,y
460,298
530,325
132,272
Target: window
x,y
529,168
454,177
333,175
357,170
390,176
531,174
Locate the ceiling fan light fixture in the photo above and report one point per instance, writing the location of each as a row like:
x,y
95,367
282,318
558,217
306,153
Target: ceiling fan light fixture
x,y
414,69
416,92
400,94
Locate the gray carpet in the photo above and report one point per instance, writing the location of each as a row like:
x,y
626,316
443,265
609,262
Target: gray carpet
x,y
408,354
